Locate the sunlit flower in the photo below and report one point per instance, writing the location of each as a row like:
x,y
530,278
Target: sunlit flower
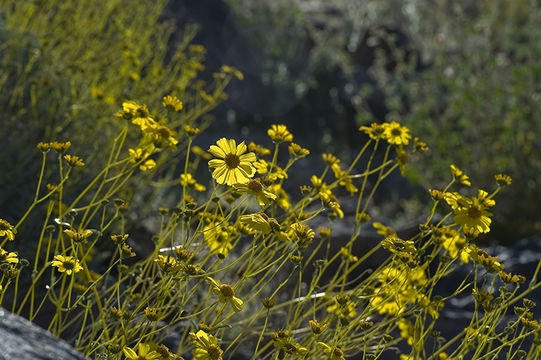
x,y
191,131
471,212
331,202
60,147
333,353
460,176
7,230
172,103
503,180
258,149
137,155
168,263
143,353
8,257
279,133
274,171
78,236
407,330
74,161
255,188
375,130
218,239
206,346
225,293
283,197
262,223
188,181
330,159
235,168
396,134
303,234
67,264
343,178
298,152
342,307
162,136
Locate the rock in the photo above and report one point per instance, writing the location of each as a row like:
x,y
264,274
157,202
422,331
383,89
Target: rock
x,y
23,340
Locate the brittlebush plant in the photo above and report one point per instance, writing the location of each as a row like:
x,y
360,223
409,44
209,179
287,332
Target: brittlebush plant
x,y
232,266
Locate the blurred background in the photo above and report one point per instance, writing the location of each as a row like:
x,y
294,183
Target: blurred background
x,y
464,76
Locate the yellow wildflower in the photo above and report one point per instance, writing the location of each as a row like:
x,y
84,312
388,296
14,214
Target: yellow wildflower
x,y
74,161
502,180
282,197
384,230
200,152
460,176
168,263
206,346
172,103
471,213
396,134
258,149
279,133
43,147
255,188
303,234
235,168
330,159
190,131
7,230
375,130
67,264
8,257
188,181
298,152
274,171
162,136
343,178
225,293
342,307
78,236
218,239
138,155
143,353
60,147
262,223
331,202
333,353
407,330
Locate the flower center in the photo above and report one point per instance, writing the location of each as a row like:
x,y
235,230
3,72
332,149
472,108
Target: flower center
x,y
164,132
214,352
396,132
474,212
232,161
68,265
255,186
227,290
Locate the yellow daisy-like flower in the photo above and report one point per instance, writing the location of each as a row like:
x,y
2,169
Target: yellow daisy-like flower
x,y
78,236
7,230
188,181
200,152
8,257
67,264
298,152
343,307
206,346
143,353
460,176
333,353
74,161
225,293
396,134
60,147
218,239
172,103
137,155
262,223
282,197
279,133
167,263
235,168
255,188
162,136
258,149
375,130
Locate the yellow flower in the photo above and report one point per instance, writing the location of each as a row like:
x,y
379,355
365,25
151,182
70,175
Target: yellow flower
x,y
262,223
460,176
330,159
333,353
172,103
138,114
342,307
396,134
502,180
43,147
384,230
274,171
296,151
235,168
258,149
225,293
143,353
162,136
189,181
200,152
331,202
343,178
67,264
279,133
8,257
407,330
283,197
7,230
167,263
218,239
206,346
74,161
78,236
255,188
471,213
191,131
60,147
375,130
303,234
138,155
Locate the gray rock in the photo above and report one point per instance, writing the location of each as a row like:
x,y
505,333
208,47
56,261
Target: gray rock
x,y
22,340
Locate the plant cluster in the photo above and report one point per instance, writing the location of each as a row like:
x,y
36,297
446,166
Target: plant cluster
x,y
232,263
